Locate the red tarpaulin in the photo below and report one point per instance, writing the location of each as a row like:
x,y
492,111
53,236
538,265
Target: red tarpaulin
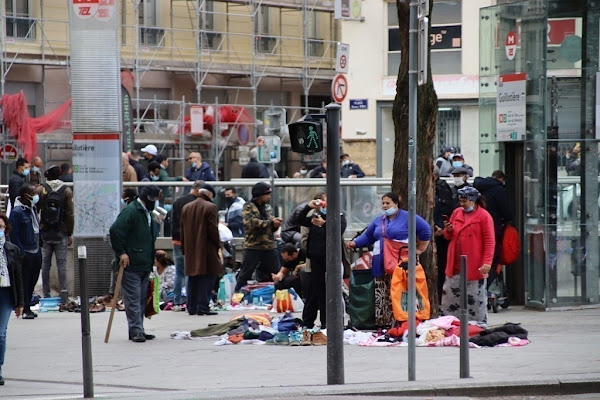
x,y
24,128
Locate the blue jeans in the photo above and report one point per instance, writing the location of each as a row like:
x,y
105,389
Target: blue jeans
x,y
6,308
179,274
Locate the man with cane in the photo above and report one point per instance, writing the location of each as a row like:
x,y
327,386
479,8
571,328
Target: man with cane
x,y
132,238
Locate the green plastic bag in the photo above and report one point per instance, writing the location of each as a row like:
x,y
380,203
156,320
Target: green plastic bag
x,y
361,302
153,297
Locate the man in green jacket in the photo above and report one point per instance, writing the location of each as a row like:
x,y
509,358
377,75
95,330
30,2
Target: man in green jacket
x,y
132,238
164,175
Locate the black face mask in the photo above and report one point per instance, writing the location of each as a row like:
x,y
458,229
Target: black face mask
x,y
149,204
229,200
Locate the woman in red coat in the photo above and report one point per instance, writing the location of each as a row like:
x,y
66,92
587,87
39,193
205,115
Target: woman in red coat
x,y
471,233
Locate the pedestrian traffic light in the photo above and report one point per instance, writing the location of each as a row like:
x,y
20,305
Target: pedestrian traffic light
x,y
306,137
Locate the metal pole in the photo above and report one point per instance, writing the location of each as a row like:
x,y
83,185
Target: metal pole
x,y
335,315
412,187
464,320
86,340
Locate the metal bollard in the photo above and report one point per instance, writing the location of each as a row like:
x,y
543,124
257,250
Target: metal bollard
x,y
86,340
464,320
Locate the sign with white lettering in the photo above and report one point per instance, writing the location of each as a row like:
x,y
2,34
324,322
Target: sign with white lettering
x,y
510,107
359,104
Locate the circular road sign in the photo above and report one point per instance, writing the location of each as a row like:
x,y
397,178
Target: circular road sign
x,y
243,135
339,88
8,153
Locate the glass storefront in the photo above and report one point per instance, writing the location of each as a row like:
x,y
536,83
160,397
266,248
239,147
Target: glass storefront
x,y
538,79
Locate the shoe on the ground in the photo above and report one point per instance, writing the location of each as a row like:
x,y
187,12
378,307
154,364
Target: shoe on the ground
x,y
28,315
149,336
1,381
138,338
306,338
168,307
319,339
295,338
177,307
282,339
208,313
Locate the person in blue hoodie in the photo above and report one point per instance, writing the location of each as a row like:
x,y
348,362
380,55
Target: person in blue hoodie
x,y
25,235
199,170
233,212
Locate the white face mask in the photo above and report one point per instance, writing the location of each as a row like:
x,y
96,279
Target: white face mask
x,y
458,180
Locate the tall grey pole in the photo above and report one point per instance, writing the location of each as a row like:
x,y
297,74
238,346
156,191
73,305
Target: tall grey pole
x,y
412,186
335,315
86,340
464,320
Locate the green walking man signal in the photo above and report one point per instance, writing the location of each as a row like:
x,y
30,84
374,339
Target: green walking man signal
x,y
306,137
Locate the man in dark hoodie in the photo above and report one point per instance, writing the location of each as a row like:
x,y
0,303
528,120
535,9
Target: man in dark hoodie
x,y
260,250
255,169
444,206
17,179
494,191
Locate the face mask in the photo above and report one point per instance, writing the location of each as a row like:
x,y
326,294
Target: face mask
x,y
458,180
229,201
390,211
451,156
156,204
194,164
457,164
149,205
468,209
123,202
35,169
303,171
168,207
324,211
35,199
346,162
26,171
1,234
154,178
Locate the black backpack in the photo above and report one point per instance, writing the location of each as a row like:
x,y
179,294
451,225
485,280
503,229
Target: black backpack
x,y
53,209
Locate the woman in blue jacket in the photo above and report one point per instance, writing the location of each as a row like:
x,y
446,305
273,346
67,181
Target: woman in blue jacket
x,y
393,224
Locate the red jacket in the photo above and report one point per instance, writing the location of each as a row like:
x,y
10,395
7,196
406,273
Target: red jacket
x,y
477,241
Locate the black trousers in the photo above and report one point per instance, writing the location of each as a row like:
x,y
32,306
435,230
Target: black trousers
x,y
265,262
316,299
32,264
199,288
442,255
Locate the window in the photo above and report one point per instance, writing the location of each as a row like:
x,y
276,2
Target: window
x,y
445,34
264,42
208,38
150,34
18,22
447,128
393,59
316,45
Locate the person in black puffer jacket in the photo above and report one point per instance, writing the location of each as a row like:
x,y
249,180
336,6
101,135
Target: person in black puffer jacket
x,y
316,251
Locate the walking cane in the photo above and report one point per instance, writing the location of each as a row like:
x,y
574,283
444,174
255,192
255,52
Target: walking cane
x,y
114,303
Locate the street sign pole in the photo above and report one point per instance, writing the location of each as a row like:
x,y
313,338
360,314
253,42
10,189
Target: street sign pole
x,y
412,187
335,307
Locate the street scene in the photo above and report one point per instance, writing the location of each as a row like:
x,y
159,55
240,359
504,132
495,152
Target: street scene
x,y
335,199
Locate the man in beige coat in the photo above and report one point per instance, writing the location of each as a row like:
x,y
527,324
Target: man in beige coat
x,y
129,174
199,235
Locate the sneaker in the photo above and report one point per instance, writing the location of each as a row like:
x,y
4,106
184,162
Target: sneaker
x,y
28,315
295,338
1,381
178,307
168,306
306,338
282,339
319,339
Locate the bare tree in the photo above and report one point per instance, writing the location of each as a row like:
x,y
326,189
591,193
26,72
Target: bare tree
x,y
427,105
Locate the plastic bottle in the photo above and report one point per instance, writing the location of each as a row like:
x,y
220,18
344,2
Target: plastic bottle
x,y
260,301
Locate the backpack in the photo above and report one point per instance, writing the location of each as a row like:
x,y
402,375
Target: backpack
x,y
53,209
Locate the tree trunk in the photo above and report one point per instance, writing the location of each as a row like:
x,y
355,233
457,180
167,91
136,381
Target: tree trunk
x,y
427,105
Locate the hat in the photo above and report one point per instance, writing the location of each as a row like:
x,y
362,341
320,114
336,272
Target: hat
x,y
469,193
460,171
209,188
261,188
53,172
151,192
150,149
458,155
446,150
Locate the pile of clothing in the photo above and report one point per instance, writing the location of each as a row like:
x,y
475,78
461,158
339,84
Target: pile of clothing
x,y
441,332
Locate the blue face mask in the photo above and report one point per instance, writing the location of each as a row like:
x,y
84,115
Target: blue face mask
x,y
194,164
154,178
123,202
324,211
1,234
457,164
468,209
390,211
35,169
168,207
26,171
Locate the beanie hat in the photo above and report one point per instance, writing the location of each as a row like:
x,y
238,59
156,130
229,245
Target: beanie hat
x,y
469,193
208,187
261,188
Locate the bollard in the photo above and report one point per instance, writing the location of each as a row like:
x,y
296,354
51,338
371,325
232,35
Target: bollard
x,y
86,340
464,320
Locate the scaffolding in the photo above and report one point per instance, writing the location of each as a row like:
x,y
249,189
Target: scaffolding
x,y
250,53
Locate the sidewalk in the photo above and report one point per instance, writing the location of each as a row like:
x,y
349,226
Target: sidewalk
x,y
43,361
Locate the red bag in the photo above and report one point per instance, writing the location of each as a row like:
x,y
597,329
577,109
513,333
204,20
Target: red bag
x,y
511,245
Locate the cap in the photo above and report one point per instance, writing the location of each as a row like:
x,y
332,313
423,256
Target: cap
x,y
209,188
151,192
469,193
460,171
260,189
459,156
53,172
150,149
446,150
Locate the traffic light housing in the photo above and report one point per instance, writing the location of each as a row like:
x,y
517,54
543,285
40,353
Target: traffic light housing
x,y
306,137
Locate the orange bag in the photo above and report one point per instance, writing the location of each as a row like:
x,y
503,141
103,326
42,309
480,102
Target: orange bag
x,y
399,294
283,301
511,245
